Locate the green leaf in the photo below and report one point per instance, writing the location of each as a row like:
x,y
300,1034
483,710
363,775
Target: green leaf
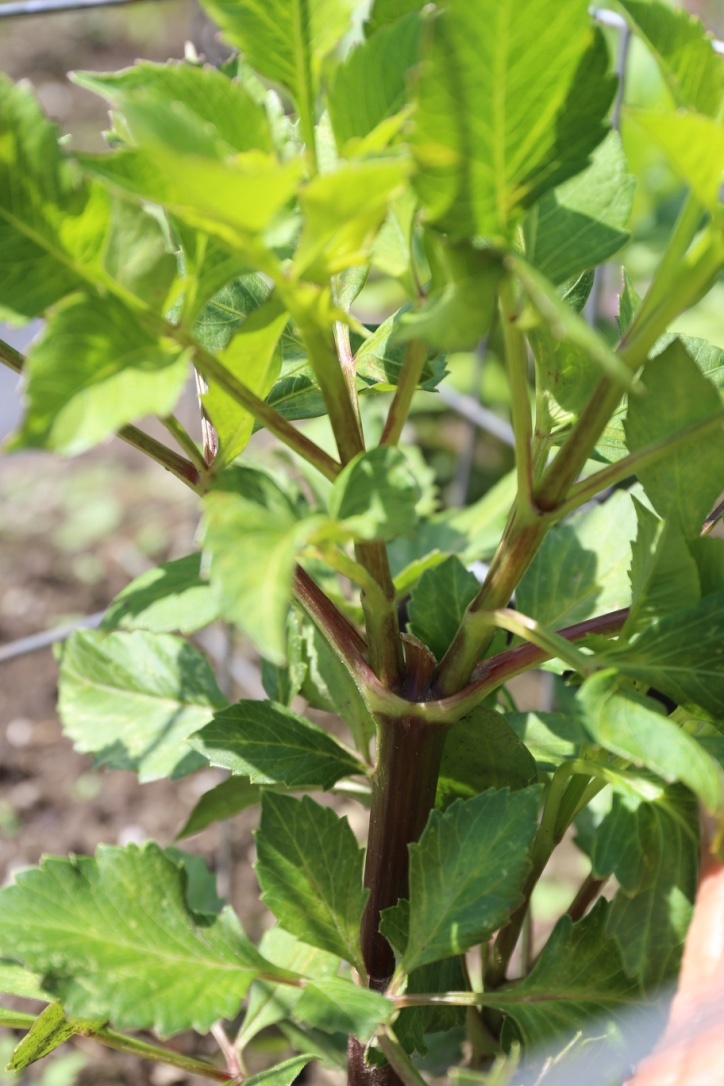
x,y
694,148
342,212
201,895
371,84
284,1074
285,40
413,1023
584,221
95,369
251,532
272,745
224,801
228,309
581,569
551,738
685,484
482,751
378,360
272,1003
651,849
709,557
663,573
133,698
375,495
467,873
310,870
339,1005
210,96
460,305
682,655
628,725
508,108
252,356
438,603
579,977
114,937
170,597
387,11
14,980
49,1030
683,50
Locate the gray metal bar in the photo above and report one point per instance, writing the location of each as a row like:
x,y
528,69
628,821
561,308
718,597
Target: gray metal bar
x,y
49,7
38,641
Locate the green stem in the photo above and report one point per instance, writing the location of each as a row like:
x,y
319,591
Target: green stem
x,y
412,367
516,356
353,571
530,630
399,1060
637,461
587,893
186,442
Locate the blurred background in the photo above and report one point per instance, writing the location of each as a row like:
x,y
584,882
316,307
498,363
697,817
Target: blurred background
x,y
73,533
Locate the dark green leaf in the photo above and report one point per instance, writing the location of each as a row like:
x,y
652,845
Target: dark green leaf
x,y
227,310
378,360
482,751
467,873
310,870
414,1023
508,109
284,1074
581,569
272,745
682,655
224,801
685,484
693,71
338,1005
663,574
709,557
170,597
438,603
632,728
375,496
96,368
583,222
652,850
115,938
551,738
579,977
132,699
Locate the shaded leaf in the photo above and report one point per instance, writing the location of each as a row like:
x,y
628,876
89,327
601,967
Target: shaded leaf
x,y
310,870
284,1074
663,573
338,1005
133,698
224,801
438,603
375,495
169,597
551,738
482,751
115,937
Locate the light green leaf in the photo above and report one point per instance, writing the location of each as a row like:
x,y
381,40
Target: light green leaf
x,y
663,573
584,221
285,40
342,211
652,850
581,569
694,148
310,870
438,603
115,938
14,980
205,92
49,1030
685,484
482,751
251,532
682,655
467,873
254,358
170,597
460,305
133,698
378,360
272,1003
375,495
95,369
224,801
579,977
228,309
338,1005
508,108
693,71
387,11
551,738
272,745
630,727
284,1074
371,84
